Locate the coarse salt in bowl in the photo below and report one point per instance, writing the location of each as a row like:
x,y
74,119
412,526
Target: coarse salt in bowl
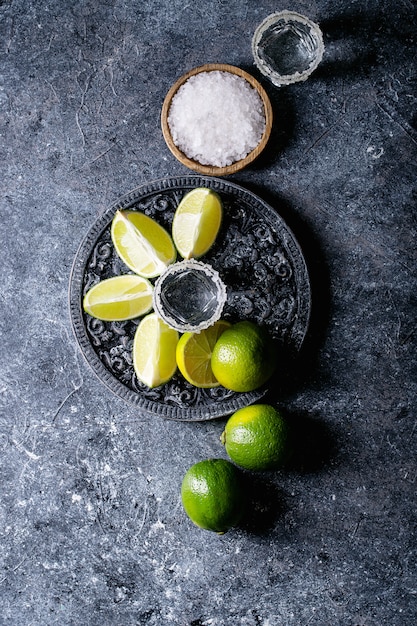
x,y
216,119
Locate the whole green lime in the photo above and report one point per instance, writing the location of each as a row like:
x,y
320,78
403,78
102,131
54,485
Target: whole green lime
x,y
244,357
212,495
257,437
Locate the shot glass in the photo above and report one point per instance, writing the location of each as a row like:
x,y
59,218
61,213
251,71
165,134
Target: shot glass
x,y
189,296
287,47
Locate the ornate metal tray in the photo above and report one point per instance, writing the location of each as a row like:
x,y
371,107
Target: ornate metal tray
x,y
257,257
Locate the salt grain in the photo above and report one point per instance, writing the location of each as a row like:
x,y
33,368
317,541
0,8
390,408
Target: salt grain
x,y
216,118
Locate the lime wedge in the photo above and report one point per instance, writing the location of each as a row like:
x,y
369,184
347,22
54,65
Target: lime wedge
x,y
142,244
196,222
194,355
154,351
119,298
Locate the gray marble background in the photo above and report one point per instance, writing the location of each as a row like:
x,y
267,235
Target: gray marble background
x,y
91,524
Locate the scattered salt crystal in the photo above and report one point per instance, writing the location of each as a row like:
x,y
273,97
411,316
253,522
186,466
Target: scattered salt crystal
x,y
216,118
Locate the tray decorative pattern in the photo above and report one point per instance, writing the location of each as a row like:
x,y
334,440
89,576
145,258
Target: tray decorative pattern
x,y
258,259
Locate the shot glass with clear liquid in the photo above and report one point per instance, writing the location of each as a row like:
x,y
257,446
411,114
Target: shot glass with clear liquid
x,y
287,47
189,296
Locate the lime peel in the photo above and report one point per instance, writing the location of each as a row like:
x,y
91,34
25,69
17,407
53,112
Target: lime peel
x,y
244,357
212,495
257,437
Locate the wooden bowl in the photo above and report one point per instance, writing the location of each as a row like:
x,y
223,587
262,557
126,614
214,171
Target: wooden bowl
x,y
211,170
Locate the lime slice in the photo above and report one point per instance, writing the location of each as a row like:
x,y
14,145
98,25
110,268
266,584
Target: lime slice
x,y
194,355
142,244
154,351
196,222
119,298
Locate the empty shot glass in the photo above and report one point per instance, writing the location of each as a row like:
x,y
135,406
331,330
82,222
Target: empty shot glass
x,y
189,296
287,47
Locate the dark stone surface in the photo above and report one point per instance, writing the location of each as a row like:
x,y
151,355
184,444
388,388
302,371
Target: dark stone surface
x,y
92,529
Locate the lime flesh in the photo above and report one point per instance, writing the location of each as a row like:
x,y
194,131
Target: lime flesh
x,y
119,298
142,244
196,222
194,352
154,348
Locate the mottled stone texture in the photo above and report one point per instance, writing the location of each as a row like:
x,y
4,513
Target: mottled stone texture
x,y
91,525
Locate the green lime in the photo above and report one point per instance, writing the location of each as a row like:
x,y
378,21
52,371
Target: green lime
x,y
244,357
257,437
212,495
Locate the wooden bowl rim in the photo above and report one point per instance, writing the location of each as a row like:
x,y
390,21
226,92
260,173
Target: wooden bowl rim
x,y
212,170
